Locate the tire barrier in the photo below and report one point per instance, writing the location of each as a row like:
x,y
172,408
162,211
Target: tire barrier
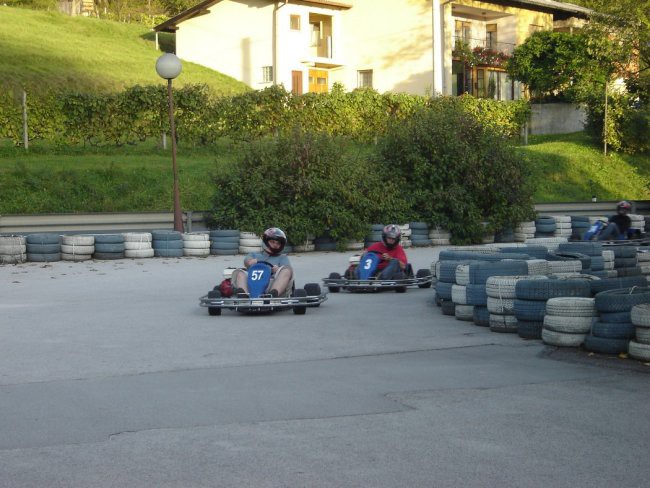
x,y
464,312
43,248
167,243
481,316
224,242
77,247
13,249
138,245
196,244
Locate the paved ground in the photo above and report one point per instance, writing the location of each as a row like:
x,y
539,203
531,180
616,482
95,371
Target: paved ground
x,y
112,376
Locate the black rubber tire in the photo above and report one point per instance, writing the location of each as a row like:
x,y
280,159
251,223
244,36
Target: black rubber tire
x,y
476,295
299,309
570,256
217,233
480,272
425,242
481,316
537,252
334,289
226,240
443,290
447,272
545,228
168,253
466,256
117,247
624,251
613,283
633,271
615,317
167,245
108,255
530,310
43,248
625,262
419,225
166,235
609,330
448,308
529,330
313,289
109,239
43,238
545,289
588,248
603,345
224,252
423,273
226,246
622,300
377,227
44,258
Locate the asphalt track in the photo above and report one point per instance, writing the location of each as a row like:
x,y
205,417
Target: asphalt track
x,y
111,375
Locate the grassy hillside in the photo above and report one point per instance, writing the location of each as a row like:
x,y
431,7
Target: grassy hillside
x,y
138,178
51,50
568,168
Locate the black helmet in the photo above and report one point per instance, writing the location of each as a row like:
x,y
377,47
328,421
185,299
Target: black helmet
x,y
273,234
624,205
391,231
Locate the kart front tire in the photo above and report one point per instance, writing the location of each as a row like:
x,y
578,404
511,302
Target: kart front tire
x,y
299,309
214,311
334,289
423,273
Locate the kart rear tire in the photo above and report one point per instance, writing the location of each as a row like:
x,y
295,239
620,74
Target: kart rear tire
x,y
299,309
334,289
312,289
422,273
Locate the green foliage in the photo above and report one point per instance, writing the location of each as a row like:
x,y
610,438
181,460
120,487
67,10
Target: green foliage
x,y
551,62
458,171
307,184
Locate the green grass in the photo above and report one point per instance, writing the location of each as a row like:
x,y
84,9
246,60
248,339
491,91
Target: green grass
x,y
569,168
50,50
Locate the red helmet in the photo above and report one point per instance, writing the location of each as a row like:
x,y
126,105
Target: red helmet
x,y
624,205
273,234
393,232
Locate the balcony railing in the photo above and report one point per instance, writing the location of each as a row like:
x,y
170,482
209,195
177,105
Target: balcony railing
x,y
471,43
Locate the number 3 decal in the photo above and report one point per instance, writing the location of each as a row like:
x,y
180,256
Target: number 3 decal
x,y
368,264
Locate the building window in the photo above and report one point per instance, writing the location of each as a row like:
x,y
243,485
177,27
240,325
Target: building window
x,y
267,74
491,37
294,22
364,78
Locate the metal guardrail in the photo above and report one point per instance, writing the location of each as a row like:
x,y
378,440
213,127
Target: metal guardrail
x,y
195,221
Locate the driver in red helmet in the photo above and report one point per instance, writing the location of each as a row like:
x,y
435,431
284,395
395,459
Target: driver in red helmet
x,y
273,242
393,258
619,224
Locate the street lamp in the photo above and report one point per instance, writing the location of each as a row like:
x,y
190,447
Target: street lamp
x,y
169,67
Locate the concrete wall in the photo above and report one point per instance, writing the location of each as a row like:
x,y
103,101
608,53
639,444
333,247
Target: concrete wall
x,y
556,118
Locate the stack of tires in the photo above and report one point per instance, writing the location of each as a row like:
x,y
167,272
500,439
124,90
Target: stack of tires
x,y
544,226
109,246
501,301
462,309
625,260
643,260
405,229
196,244
439,237
167,243
374,235
354,245
550,243
224,242
307,245
505,236
639,348
605,284
420,234
446,272
525,231
567,320
77,248
613,331
562,226
13,249
501,317
608,264
565,264
637,222
137,245
592,249
249,242
579,225
43,248
324,243
530,303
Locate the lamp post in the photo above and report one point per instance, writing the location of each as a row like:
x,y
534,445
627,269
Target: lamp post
x,y
169,67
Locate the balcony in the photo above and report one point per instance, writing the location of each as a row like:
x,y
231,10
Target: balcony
x,y
482,52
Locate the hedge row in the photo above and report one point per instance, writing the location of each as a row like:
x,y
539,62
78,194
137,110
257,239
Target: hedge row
x,y
140,112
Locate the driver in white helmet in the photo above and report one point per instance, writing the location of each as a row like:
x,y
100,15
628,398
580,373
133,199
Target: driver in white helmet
x,y
273,242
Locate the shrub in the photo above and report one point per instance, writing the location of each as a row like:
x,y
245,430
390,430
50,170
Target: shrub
x,y
307,184
458,171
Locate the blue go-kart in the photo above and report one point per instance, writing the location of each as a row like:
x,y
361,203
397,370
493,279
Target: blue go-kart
x,y
599,226
369,281
259,300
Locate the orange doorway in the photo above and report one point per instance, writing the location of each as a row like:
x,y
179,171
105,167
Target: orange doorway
x,y
318,81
